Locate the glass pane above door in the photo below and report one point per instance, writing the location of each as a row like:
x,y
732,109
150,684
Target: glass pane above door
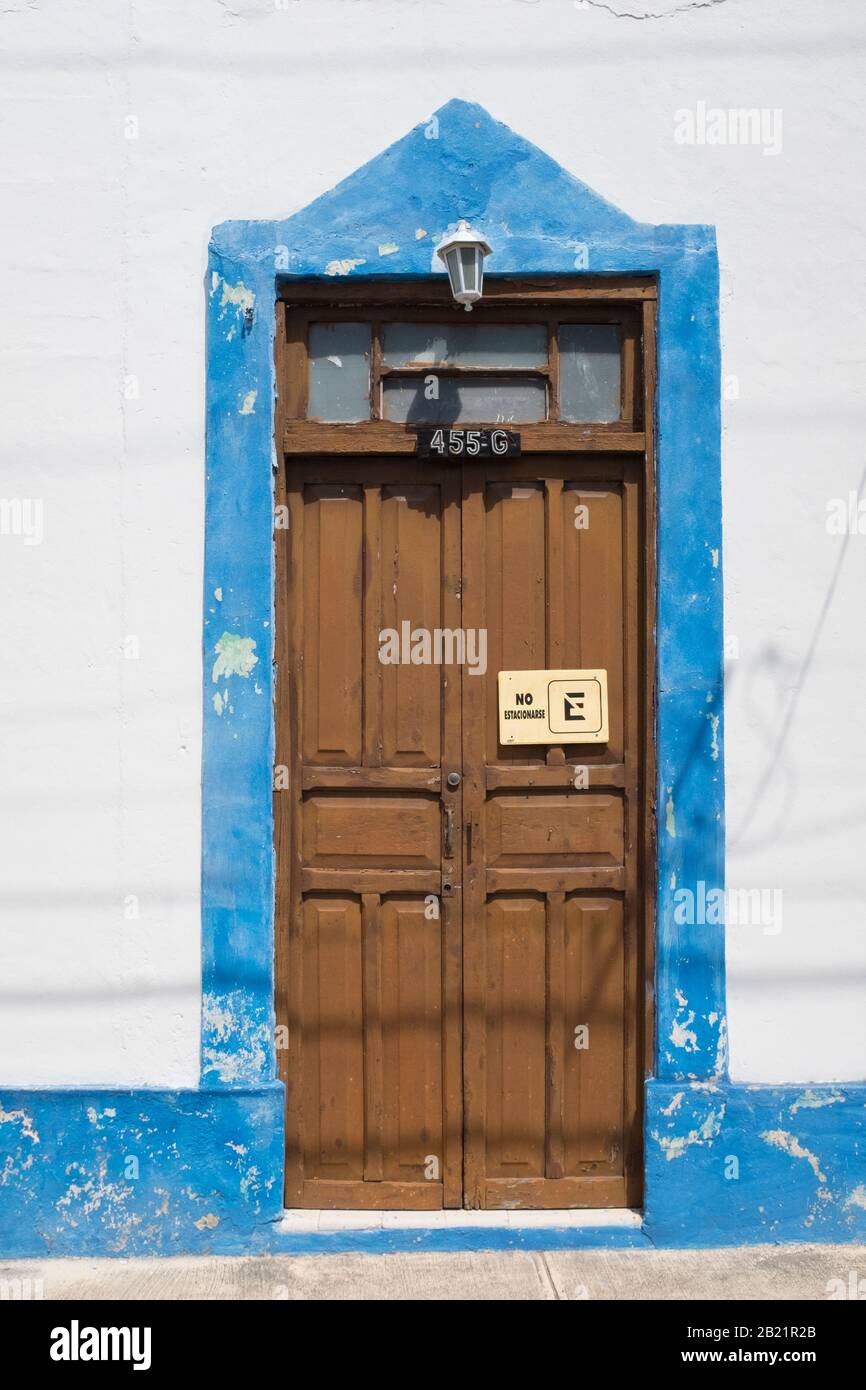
x,y
479,372
339,381
589,372
477,400
498,345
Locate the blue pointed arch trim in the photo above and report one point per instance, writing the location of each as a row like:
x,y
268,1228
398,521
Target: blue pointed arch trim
x,y
384,220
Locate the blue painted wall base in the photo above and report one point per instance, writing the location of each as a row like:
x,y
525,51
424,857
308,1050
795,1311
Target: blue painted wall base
x,y
200,1172
103,1172
740,1165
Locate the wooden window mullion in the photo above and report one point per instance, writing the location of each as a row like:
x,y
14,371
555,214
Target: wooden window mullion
x,y
553,368
376,370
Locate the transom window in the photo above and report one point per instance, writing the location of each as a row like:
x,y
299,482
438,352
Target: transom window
x,y
572,365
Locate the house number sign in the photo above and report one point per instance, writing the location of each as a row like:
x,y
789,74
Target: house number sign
x,y
459,443
553,707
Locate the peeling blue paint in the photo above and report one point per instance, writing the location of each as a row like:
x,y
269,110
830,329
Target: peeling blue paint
x,y
139,1172
729,1164
209,1174
212,1161
237,1038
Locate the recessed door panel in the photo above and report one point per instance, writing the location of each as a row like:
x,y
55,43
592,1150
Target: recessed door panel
x,y
410,972
411,602
593,989
346,830
514,1041
333,629
333,1012
554,829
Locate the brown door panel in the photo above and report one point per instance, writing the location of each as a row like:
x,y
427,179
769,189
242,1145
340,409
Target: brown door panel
x,y
554,829
371,910
551,1058
396,830
371,1025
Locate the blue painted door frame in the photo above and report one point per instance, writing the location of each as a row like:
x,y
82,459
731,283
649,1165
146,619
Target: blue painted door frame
x,y
107,1171
384,221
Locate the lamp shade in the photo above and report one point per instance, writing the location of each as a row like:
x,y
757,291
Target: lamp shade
x,y
463,252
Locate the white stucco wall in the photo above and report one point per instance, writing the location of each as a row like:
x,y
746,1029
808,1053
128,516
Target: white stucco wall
x,y
250,109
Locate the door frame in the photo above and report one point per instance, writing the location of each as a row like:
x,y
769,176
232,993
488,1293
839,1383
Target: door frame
x,y
545,225
631,299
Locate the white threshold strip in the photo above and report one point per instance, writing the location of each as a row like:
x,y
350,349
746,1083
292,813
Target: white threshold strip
x,y
301,1220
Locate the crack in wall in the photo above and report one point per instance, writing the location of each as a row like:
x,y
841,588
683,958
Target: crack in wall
x,y
643,12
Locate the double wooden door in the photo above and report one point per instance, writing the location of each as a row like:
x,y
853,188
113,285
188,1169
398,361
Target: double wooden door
x,y
460,931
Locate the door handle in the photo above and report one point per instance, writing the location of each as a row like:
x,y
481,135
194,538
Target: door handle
x,y
448,851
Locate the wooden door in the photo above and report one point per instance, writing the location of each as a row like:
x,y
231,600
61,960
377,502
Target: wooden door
x,y
463,930
551,911
370,860
538,878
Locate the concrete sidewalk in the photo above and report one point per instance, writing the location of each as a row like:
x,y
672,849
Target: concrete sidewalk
x,y
803,1272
